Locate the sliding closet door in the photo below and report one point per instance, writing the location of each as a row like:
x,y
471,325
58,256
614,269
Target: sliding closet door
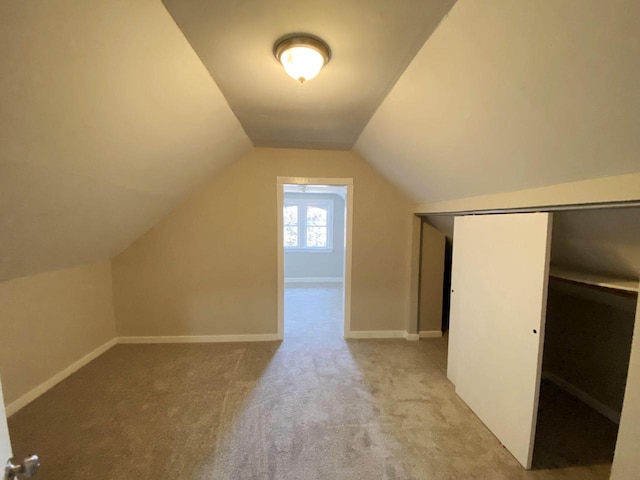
x,y
461,248
499,283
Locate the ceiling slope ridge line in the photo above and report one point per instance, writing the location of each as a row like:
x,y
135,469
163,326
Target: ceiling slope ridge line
x,y
212,78
209,72
393,82
181,201
411,200
84,263
339,147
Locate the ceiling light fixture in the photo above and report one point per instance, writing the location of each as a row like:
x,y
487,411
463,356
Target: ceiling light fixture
x,y
302,55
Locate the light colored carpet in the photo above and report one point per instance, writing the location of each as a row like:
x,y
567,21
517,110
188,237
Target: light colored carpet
x,y
312,407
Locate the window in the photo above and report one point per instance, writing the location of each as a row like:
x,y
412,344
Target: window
x,y
308,224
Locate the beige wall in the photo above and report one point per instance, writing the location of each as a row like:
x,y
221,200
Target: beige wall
x,y
431,278
210,268
51,320
626,462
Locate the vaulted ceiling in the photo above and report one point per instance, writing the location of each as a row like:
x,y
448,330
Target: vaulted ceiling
x,y
509,95
603,241
372,42
108,120
111,113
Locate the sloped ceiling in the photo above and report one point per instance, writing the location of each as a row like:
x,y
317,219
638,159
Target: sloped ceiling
x,y
600,241
604,241
108,119
372,42
508,95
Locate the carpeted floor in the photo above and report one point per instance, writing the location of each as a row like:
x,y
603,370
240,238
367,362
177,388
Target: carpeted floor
x,y
312,407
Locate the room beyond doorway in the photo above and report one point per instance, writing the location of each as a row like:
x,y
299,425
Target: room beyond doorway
x,y
313,310
314,256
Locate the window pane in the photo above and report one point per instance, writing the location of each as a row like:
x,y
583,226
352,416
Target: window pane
x,y
316,216
290,236
316,236
290,215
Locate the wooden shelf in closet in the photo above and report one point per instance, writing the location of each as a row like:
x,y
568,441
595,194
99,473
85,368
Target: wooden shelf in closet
x,y
626,286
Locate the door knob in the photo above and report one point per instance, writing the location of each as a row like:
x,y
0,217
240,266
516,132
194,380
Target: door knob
x,y
28,469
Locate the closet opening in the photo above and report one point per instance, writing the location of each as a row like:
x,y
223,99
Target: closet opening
x,y
542,321
590,319
431,281
434,299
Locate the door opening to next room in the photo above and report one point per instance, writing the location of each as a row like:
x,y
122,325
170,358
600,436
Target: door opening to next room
x,y
314,240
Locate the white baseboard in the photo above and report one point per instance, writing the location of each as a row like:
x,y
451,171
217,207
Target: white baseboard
x,y
259,337
34,393
314,280
376,334
581,395
430,334
412,337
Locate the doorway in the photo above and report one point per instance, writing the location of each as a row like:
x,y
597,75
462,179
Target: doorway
x,y
314,256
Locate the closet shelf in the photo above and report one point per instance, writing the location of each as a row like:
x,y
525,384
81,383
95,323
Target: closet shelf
x,y
602,281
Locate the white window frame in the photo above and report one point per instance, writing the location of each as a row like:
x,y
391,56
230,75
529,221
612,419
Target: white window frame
x,y
302,204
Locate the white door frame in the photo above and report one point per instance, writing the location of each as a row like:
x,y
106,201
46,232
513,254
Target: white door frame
x,y
345,182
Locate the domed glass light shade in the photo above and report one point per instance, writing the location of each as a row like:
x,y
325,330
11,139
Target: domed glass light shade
x,y
302,56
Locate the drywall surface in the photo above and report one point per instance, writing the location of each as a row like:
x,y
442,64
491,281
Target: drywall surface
x,y
431,278
234,39
321,264
619,188
588,340
626,462
210,268
108,121
598,241
443,223
603,241
508,95
413,320
51,320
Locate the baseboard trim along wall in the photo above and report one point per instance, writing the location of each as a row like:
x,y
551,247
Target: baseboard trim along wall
x,y
259,337
314,280
378,334
34,393
430,334
581,395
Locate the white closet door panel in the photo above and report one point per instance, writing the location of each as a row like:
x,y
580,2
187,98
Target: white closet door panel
x,y
500,296
460,230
